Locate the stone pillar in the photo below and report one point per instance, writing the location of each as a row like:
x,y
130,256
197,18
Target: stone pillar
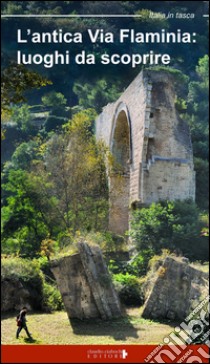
x,y
176,287
119,203
85,284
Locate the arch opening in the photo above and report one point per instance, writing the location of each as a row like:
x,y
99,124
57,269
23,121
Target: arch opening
x,y
119,177
121,145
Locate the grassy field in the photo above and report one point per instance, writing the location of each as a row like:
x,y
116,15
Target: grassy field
x,y
55,329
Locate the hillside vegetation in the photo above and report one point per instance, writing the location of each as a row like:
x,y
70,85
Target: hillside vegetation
x,y
54,181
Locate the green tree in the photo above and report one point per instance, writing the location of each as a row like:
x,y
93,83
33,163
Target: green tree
x,y
48,248
54,123
151,23
96,96
24,154
29,214
76,166
198,119
198,109
203,69
58,114
63,188
15,80
202,182
169,225
54,99
22,116
13,8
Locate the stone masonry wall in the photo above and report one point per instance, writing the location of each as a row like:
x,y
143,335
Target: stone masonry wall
x,y
167,178
161,158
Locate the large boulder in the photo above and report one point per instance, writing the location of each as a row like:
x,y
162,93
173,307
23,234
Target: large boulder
x,y
85,284
176,289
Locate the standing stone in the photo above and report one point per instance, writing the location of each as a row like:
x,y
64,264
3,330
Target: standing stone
x,y
177,288
85,284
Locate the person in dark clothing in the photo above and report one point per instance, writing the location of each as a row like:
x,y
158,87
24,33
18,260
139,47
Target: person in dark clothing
x,y
21,322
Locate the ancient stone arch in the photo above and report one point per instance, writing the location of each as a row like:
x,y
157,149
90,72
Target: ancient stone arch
x,y
121,119
151,146
119,175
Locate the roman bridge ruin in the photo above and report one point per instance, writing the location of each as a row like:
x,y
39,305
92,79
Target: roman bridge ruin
x,y
151,147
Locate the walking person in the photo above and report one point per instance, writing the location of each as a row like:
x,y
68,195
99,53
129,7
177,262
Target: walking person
x,y
21,323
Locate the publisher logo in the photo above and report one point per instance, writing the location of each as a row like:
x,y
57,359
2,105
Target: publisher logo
x,y
124,354
107,354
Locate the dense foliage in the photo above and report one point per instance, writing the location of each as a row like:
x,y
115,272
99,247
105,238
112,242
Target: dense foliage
x,y
170,225
43,295
129,289
56,187
54,182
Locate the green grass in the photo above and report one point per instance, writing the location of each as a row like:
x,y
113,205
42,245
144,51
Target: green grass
x,y
55,329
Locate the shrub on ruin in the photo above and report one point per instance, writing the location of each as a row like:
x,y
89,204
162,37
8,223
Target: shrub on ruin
x,y
129,289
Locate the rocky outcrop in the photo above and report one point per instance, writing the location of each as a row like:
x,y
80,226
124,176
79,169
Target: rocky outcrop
x,y
85,284
177,288
15,294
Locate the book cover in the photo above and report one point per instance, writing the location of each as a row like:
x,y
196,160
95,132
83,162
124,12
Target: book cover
x,y
104,181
